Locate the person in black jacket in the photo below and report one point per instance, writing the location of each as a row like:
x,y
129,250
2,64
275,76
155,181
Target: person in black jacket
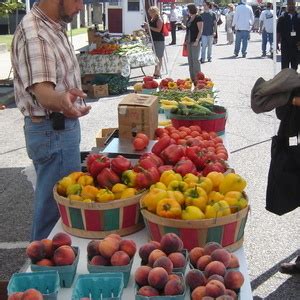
x,y
194,27
288,36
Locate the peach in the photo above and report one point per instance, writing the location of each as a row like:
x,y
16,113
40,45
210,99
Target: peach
x,y
156,244
129,246
208,298
215,288
210,247
203,261
36,251
61,239
195,278
198,293
195,254
15,296
171,242
178,259
141,275
165,263
45,262
108,247
145,251
231,293
63,256
234,261
221,255
215,267
154,255
32,294
120,258
216,277
174,277
148,291
225,297
93,249
114,236
99,260
173,287
233,279
48,247
158,278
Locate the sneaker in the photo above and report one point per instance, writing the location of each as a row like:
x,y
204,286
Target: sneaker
x,y
236,54
264,54
209,60
202,61
244,55
291,268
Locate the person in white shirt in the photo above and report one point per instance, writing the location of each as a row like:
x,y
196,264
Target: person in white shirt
x,y
173,17
266,28
242,21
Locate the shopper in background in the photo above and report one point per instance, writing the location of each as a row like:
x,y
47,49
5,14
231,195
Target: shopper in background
x,y
155,28
288,36
257,14
185,15
242,22
194,27
47,87
173,17
215,8
229,20
209,27
266,29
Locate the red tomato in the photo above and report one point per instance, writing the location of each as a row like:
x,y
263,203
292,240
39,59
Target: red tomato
x,y
222,155
139,144
195,133
195,128
175,136
182,134
181,142
213,134
144,137
218,140
205,135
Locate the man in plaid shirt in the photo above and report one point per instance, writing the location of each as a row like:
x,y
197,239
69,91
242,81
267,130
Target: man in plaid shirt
x,y
48,93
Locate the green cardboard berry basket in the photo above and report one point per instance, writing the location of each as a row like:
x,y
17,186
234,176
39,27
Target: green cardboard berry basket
x,y
182,270
99,286
47,282
66,273
125,270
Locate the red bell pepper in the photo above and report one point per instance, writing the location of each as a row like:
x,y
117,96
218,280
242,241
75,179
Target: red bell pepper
x,y
172,154
185,166
120,164
107,178
161,144
99,164
90,158
145,178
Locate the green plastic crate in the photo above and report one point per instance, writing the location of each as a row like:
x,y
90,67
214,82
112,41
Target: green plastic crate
x,y
47,282
66,273
99,286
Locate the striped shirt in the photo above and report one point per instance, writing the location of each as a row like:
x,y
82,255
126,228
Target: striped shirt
x,y
41,52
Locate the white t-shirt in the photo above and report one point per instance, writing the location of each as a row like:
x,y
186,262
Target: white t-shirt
x,y
266,17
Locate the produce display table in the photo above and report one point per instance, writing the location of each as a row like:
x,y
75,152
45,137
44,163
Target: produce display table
x,y
115,64
140,238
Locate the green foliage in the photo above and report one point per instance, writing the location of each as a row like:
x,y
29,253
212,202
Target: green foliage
x,y
9,6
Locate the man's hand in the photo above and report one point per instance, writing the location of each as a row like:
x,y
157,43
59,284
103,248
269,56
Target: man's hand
x,y
296,101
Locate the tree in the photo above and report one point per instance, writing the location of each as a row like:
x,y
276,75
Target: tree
x,y
9,6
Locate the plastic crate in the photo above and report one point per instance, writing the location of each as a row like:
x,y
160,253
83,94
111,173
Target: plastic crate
x,y
99,286
125,270
47,282
66,273
149,91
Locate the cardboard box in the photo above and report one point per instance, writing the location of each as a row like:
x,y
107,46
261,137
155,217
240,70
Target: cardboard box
x,y
138,113
98,91
102,135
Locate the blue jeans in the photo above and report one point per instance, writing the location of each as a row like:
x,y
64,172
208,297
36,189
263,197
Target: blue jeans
x,y
241,37
55,154
266,36
206,43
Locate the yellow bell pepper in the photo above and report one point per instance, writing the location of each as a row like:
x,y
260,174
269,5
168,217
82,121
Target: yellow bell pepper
x,y
105,195
191,179
129,178
232,182
223,207
177,195
74,189
206,184
76,175
212,212
214,197
197,197
167,176
192,213
168,208
236,201
89,192
85,180
118,189
150,200
128,193
176,185
63,185
216,178
75,198
88,201
158,185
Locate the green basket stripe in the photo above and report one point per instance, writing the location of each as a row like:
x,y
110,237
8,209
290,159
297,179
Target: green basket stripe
x,y
242,227
171,230
214,234
76,218
111,219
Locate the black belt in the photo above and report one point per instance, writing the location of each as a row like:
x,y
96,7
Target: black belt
x,y
58,120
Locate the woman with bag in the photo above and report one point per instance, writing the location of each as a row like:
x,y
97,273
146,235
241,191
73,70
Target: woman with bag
x,y
194,27
229,19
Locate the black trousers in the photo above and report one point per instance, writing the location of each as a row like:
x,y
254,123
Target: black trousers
x,y
289,57
173,32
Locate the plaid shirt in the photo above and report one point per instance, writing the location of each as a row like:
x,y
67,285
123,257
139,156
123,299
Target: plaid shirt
x,y
41,52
